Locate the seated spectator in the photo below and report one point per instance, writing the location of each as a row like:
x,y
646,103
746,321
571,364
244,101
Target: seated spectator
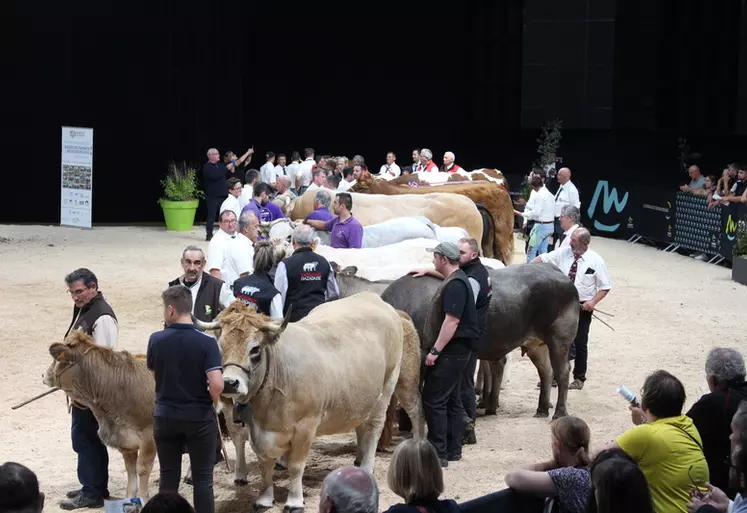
x,y
565,477
349,490
665,443
697,180
415,475
738,191
19,490
618,485
168,502
709,189
715,500
712,414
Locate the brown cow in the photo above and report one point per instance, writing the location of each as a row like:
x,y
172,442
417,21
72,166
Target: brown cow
x,y
497,240
478,175
119,390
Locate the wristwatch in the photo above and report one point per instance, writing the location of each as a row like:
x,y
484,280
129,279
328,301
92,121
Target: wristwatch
x,y
434,351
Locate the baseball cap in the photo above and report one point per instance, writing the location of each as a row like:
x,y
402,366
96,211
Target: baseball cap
x,y
447,249
269,155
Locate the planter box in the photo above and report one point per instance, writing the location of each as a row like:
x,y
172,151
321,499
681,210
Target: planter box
x,y
179,215
739,270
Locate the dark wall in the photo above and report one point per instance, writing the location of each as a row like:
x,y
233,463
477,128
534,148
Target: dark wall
x,y
169,80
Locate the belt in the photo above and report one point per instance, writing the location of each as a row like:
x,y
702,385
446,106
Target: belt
x,y
544,222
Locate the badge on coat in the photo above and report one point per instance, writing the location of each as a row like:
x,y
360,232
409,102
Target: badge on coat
x,y
208,310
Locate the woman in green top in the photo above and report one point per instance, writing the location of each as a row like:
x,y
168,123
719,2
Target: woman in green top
x,y
665,444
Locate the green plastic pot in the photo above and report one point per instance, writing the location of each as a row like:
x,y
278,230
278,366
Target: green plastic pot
x,y
179,215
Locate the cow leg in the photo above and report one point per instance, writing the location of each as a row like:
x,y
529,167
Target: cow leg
x,y
130,461
479,381
299,452
487,382
239,436
145,458
368,432
506,372
561,368
409,398
539,354
266,497
496,377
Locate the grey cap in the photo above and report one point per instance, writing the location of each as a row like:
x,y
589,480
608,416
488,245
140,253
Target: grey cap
x,y
447,249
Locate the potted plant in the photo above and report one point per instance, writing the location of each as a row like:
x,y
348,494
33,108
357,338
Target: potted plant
x,y
739,263
181,195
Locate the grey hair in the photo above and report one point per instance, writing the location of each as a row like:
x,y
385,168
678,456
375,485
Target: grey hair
x,y
193,248
572,212
725,364
211,150
450,153
303,235
245,219
323,197
351,490
425,152
86,276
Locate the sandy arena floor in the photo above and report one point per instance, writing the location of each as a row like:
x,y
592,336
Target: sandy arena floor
x,y
669,311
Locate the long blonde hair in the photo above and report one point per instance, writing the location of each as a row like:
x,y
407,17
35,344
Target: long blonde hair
x,y
415,471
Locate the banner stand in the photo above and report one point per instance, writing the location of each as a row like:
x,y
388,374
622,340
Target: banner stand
x,y
76,186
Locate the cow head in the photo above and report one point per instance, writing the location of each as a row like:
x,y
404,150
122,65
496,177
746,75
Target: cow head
x,y
246,339
350,270
65,355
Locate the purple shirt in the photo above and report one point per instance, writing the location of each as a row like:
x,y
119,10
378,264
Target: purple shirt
x,y
320,214
345,234
270,212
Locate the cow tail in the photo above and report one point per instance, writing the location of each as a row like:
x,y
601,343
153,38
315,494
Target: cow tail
x,y
385,440
491,222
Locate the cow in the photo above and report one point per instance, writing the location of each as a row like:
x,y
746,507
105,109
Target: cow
x,y
492,199
478,175
529,301
333,371
443,209
120,391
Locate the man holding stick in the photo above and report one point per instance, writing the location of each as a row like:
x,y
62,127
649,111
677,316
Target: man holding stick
x,y
92,315
189,380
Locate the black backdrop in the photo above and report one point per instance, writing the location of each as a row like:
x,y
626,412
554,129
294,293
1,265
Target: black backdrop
x,y
167,80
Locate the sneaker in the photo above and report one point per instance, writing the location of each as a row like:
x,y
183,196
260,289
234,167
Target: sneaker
x,y
81,501
74,493
576,385
469,437
444,463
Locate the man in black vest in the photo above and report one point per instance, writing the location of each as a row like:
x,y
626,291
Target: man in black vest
x,y
454,314
210,295
93,315
305,280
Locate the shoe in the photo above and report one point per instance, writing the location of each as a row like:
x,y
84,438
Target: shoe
x,y
208,237
576,385
444,463
81,501
456,457
469,437
74,493
554,384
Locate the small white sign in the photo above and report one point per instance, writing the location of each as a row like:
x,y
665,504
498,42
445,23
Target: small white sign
x,y
76,201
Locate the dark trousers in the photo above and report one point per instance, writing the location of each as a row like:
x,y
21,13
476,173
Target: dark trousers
x,y
93,458
200,438
213,204
442,404
557,233
581,345
508,500
467,389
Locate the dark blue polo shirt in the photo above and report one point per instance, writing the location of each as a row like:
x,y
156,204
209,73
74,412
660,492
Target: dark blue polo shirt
x,y
181,356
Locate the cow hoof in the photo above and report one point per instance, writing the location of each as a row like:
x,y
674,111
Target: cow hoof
x,y
559,415
240,482
288,509
491,412
262,507
541,414
356,463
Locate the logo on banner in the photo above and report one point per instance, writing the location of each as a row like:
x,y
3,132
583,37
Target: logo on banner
x,y
631,225
76,133
731,228
669,209
609,199
669,231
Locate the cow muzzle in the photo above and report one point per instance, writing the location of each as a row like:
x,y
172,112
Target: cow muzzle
x,y
235,381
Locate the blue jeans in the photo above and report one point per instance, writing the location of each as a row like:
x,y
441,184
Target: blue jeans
x,y
93,458
541,233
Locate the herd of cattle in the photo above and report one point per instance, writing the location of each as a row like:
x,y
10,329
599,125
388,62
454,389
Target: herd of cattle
x,y
346,365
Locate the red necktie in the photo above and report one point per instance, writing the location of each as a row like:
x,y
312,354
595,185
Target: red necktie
x,y
574,268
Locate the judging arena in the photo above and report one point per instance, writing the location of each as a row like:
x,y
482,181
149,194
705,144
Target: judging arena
x,y
669,311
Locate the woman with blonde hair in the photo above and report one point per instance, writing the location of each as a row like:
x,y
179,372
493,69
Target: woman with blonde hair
x,y
565,478
415,475
257,289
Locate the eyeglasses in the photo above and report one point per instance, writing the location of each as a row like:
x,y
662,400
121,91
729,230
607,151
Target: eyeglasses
x,y
78,292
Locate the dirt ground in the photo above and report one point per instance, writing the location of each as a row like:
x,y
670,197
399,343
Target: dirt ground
x,y
669,311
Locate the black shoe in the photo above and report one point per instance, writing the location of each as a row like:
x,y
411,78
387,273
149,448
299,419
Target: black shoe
x,y
81,501
469,437
208,237
444,463
455,457
74,493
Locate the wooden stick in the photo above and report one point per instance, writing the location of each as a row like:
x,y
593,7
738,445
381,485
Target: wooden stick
x,y
600,320
603,313
222,445
36,397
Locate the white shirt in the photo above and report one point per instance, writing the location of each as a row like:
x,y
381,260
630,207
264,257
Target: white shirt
x,y
390,172
225,298
304,171
279,171
239,259
267,173
567,194
217,252
540,207
313,187
246,196
291,171
345,185
276,307
231,203
567,236
591,274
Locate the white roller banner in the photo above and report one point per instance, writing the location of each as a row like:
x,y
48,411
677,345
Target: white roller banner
x,y
77,177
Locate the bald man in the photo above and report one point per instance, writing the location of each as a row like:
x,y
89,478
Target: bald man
x,y
567,194
449,166
349,490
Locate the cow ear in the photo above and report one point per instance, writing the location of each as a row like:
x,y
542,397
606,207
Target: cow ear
x,y
335,267
350,270
62,353
272,330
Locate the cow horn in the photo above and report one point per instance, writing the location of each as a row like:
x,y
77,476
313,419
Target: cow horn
x,y
205,326
274,330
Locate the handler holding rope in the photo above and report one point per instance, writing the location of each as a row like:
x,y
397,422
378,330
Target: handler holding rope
x,y
93,315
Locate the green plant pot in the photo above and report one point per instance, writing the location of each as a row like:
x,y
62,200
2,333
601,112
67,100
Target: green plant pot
x,y
179,215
